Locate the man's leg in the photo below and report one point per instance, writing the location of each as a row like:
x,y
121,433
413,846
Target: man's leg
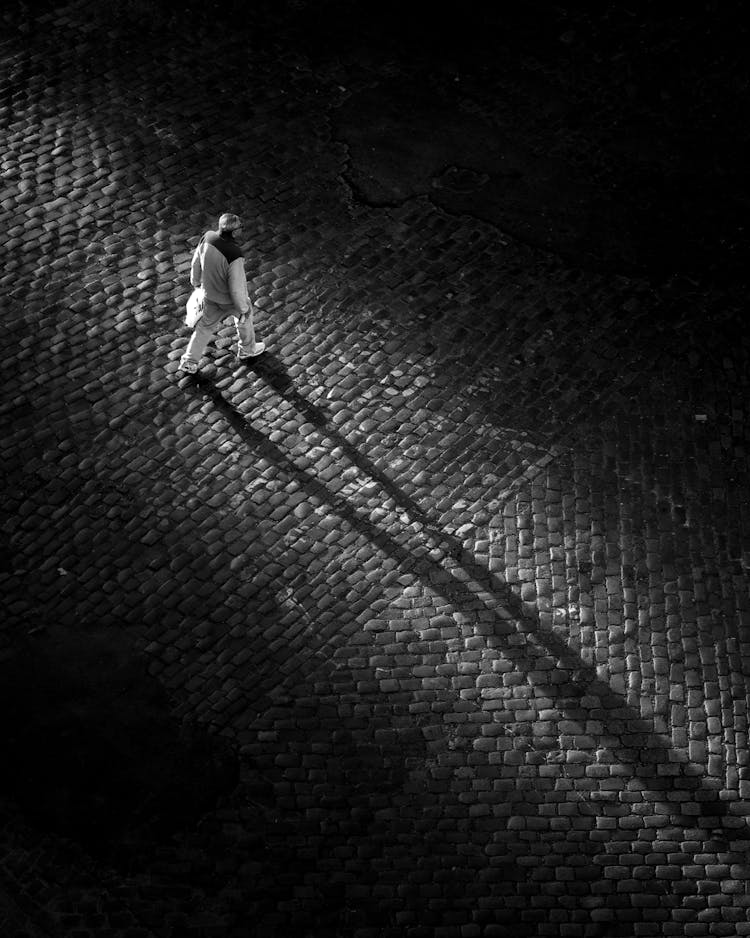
x,y
205,329
202,335
247,346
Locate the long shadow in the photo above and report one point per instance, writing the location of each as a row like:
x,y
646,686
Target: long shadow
x,y
643,749
700,814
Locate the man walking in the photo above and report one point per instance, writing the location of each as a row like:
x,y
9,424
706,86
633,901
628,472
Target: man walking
x,y
218,265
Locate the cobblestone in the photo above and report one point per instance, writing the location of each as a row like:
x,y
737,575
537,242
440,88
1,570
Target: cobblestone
x,y
459,566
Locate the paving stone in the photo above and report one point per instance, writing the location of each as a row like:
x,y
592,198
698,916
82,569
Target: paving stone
x,y
454,565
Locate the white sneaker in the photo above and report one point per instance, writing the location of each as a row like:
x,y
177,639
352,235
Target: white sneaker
x,y
256,350
188,366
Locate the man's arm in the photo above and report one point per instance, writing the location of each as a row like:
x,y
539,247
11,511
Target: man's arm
x,y
196,267
238,288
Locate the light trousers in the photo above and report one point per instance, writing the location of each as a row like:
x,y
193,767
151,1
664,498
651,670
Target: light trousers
x,y
207,326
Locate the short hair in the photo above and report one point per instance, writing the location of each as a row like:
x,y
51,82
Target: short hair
x,y
229,222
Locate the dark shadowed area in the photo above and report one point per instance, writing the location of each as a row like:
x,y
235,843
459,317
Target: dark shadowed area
x,y
91,750
611,137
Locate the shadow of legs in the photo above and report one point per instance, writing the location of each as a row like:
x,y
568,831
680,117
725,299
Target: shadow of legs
x,y
570,681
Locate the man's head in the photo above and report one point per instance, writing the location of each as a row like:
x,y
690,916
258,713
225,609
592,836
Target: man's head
x,y
229,222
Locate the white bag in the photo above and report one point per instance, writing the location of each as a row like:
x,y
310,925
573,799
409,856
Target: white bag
x,y
195,306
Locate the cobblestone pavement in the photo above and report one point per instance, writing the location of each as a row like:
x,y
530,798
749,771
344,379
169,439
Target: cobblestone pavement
x,y
459,568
